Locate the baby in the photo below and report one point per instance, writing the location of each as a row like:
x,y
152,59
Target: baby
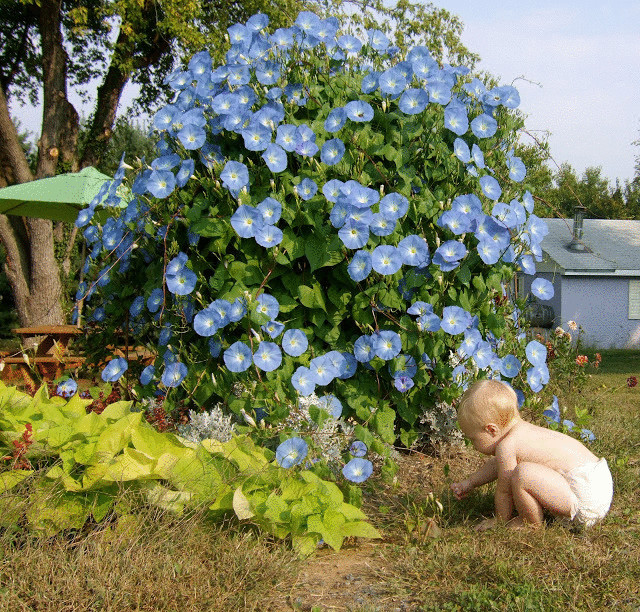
x,y
535,467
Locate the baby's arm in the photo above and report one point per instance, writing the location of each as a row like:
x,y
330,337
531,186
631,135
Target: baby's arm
x,y
487,473
506,462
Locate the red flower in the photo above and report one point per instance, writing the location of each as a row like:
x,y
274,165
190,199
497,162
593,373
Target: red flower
x,y
632,381
582,360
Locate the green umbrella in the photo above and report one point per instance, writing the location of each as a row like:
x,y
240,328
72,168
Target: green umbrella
x,y
59,198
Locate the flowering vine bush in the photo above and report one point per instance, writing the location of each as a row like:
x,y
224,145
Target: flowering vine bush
x,y
323,217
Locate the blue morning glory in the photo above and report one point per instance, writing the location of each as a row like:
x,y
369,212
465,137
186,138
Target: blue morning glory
x,y
268,236
339,213
360,266
331,404
286,137
451,250
413,101
392,81
483,354
331,190
455,320
393,206
146,376
275,157
386,259
536,353
419,308
359,111
294,342
332,152
489,251
237,357
256,137
114,369
246,220
378,40
185,172
363,349
484,126
379,226
387,345
542,289
414,251
268,305
358,448
207,322
291,452
238,310
403,383
215,347
268,356
369,82
490,187
302,381
273,328
357,470
354,235
322,370
155,300
510,366
472,338
161,183
517,169
136,306
183,282
461,150
271,210
349,366
306,188
67,388
174,374
192,137
537,377
234,176
455,118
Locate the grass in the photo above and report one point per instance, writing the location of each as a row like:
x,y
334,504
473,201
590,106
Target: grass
x,y
158,562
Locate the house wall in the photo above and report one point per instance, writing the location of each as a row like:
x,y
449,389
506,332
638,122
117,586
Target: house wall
x,y
600,305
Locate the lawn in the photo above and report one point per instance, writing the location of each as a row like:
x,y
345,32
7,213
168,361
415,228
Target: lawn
x,y
157,562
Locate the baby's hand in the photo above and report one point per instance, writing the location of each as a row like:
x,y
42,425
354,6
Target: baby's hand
x,y
461,489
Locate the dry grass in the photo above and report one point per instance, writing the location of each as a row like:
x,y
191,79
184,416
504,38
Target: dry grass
x,y
145,562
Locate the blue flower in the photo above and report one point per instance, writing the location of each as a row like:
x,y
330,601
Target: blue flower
x,y
291,452
536,353
568,424
369,82
185,172
413,101
136,306
403,365
484,126
155,300
358,449
332,152
238,310
192,136
183,282
386,259
387,344
268,356
393,206
552,413
207,322
490,187
378,40
174,373
268,305
349,366
256,137
273,328
335,120
403,383
489,252
359,111
67,388
322,370
275,157
420,308
165,335
360,266
302,381
537,377
331,404
517,169
542,289
451,250
268,236
461,150
392,81
146,376
114,369
510,366
246,220
455,320
306,188
354,235
237,357
161,183
455,118
587,435
429,322
294,342
271,210
363,349
439,92
350,44
234,176
357,470
414,251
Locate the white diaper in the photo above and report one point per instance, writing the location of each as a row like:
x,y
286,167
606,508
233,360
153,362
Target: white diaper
x,y
592,488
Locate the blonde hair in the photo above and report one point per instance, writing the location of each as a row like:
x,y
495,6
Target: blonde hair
x,y
488,401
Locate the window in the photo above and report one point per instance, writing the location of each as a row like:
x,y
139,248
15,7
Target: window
x,y
634,299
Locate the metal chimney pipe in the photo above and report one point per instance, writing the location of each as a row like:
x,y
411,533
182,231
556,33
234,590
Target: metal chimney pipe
x,y
576,244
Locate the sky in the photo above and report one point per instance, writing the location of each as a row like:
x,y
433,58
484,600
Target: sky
x,y
576,64
581,62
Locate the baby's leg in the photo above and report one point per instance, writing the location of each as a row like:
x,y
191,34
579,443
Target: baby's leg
x,y
535,486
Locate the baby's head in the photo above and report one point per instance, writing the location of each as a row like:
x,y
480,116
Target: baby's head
x,y
487,401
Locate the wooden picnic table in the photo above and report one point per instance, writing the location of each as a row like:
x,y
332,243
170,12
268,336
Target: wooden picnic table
x,y
51,356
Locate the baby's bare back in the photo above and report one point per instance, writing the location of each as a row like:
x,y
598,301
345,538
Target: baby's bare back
x,y
548,447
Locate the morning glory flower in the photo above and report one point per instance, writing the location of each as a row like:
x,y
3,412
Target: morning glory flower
x,y
455,320
369,82
267,73
268,356
332,152
358,448
238,310
136,306
472,338
360,266
306,188
275,157
517,169
413,101
302,381
335,120
363,349
114,369
537,377
354,235
155,300
403,383
256,137
484,126
191,137
461,150
359,111
234,176
271,210
174,374
322,370
146,376
420,308
587,435
207,322
414,251
393,206
331,404
348,367
392,81
268,305
237,357
429,322
273,328
552,413
268,236
223,308
331,190
386,259
542,289
483,355
185,172
387,344
215,347
339,213
451,250
489,251
536,353
379,226
67,388
161,183
246,220
357,470
404,365
490,187
455,118
478,156
286,137
183,282
510,366
378,40
291,452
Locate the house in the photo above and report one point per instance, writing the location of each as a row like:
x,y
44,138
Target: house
x,y
594,265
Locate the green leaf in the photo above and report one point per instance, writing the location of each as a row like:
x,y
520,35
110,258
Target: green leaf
x,y
383,422
360,529
10,479
312,297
